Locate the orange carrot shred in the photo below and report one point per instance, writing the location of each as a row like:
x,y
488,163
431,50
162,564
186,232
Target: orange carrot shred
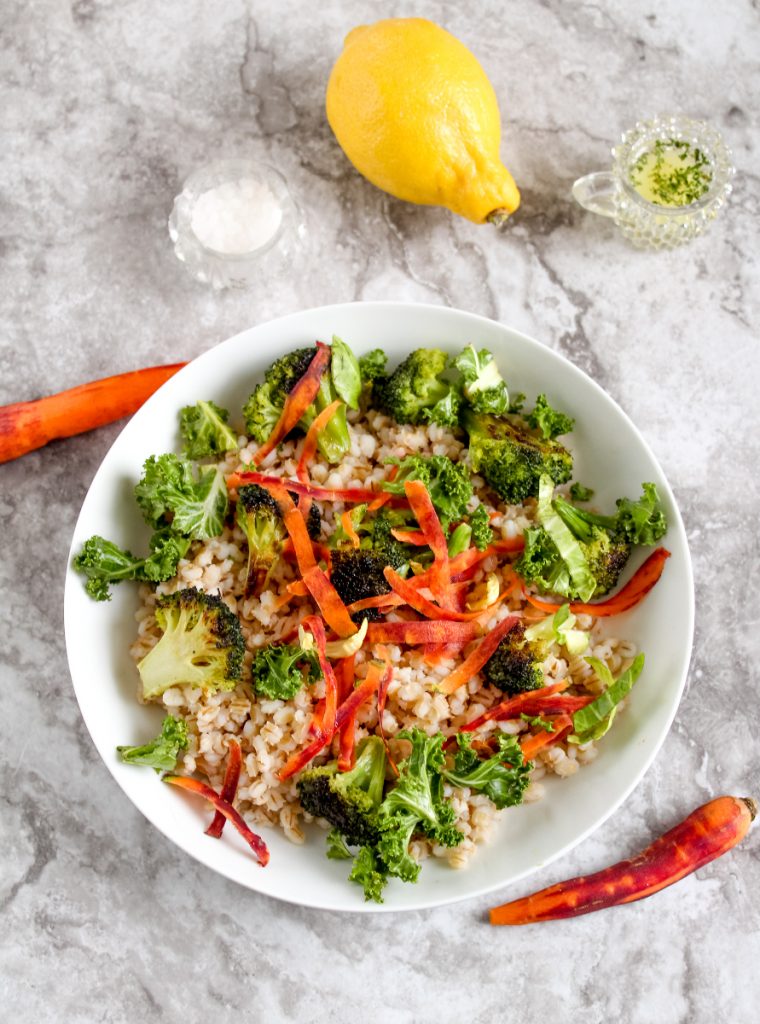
x,y
531,745
348,525
474,662
310,441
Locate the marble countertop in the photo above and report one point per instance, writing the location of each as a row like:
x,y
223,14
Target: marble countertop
x,y
106,108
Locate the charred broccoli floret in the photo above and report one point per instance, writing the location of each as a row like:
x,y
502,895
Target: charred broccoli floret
x,y
577,553
201,644
517,663
263,408
258,516
357,573
415,393
512,460
348,800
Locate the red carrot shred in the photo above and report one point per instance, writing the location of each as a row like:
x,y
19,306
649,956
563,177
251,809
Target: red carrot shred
x,y
347,753
548,700
229,787
382,696
255,842
357,697
323,719
475,661
297,402
635,590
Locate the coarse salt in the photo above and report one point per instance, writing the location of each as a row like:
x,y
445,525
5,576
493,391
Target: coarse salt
x,y
236,217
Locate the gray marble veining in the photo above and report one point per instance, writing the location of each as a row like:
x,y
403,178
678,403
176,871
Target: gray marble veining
x,y
105,108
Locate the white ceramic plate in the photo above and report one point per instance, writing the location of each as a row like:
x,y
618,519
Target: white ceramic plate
x,y
610,455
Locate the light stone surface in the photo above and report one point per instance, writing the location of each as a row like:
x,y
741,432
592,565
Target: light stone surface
x,y
106,107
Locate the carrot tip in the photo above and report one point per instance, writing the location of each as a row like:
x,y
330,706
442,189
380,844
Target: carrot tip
x,y
751,805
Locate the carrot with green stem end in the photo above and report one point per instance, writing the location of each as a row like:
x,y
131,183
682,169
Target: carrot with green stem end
x,y
297,402
255,842
229,787
708,832
26,426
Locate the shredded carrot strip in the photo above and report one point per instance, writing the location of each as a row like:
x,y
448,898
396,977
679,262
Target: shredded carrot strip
x,y
430,525
255,842
531,745
347,753
357,697
475,661
421,604
297,402
382,696
416,537
229,787
390,600
423,631
323,718
348,526
315,579
635,590
310,441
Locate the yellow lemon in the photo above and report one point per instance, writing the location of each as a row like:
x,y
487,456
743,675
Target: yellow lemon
x,y
416,114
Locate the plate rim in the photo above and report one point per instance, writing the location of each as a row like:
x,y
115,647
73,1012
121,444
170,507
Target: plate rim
x,y
72,579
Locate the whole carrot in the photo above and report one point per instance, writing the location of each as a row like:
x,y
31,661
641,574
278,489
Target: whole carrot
x,y
25,426
708,832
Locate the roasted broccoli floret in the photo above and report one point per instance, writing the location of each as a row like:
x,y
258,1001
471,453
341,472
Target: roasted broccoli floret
x,y
415,393
348,800
258,516
357,573
516,665
447,483
205,430
484,387
104,562
577,553
279,670
201,645
263,408
549,421
512,460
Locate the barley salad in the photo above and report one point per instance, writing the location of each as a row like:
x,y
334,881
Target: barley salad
x,y
374,600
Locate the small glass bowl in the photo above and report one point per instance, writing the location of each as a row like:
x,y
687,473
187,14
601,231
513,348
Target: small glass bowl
x,y
646,224
233,270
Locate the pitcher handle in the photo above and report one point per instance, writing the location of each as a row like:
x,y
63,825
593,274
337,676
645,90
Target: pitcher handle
x,y
596,192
